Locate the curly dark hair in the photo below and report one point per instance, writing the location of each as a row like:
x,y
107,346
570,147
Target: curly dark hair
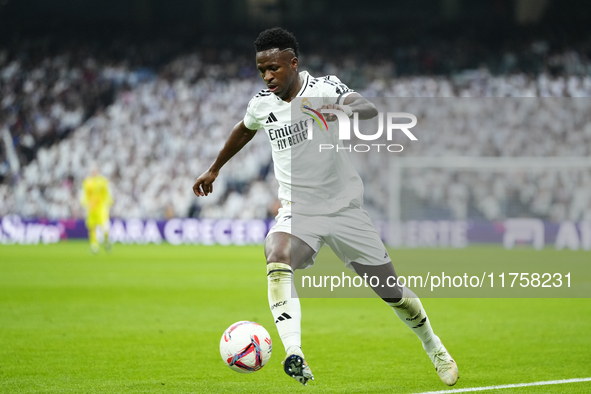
x,y
276,37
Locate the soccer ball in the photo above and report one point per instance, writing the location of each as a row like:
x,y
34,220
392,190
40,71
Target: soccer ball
x,y
246,346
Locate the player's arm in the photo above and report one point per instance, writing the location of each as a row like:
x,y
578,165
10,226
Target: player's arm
x,y
338,96
354,102
240,136
365,108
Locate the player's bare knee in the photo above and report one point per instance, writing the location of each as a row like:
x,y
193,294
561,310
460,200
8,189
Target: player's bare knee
x,y
278,248
278,257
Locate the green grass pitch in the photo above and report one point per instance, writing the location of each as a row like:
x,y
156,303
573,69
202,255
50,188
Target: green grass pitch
x,y
148,319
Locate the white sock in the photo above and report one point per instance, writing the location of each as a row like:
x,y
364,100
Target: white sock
x,y
410,310
285,306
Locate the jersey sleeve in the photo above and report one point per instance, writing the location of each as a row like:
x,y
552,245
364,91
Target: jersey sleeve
x,y
334,91
250,120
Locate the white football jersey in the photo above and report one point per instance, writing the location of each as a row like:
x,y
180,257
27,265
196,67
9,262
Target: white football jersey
x,y
311,182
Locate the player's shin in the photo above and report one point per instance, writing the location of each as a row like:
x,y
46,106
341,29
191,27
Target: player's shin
x,y
285,306
106,240
92,237
410,310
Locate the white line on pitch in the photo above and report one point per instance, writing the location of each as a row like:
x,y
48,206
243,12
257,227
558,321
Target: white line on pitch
x,y
510,386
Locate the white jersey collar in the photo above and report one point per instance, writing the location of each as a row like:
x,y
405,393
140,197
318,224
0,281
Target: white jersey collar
x,y
305,78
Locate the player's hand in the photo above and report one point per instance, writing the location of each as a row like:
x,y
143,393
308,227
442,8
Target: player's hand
x,y
330,117
204,184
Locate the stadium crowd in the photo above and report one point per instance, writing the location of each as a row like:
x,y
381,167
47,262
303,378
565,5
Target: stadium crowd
x,y
49,86
493,127
60,116
45,96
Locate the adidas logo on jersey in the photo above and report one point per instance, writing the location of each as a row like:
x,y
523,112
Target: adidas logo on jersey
x,y
272,118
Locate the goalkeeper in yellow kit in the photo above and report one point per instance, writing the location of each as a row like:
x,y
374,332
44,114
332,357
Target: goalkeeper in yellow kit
x,y
96,198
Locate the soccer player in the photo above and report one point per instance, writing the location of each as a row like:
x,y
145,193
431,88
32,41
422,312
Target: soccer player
x,y
96,198
324,191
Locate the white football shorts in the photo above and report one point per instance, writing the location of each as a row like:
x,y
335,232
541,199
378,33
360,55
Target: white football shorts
x,y
349,232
